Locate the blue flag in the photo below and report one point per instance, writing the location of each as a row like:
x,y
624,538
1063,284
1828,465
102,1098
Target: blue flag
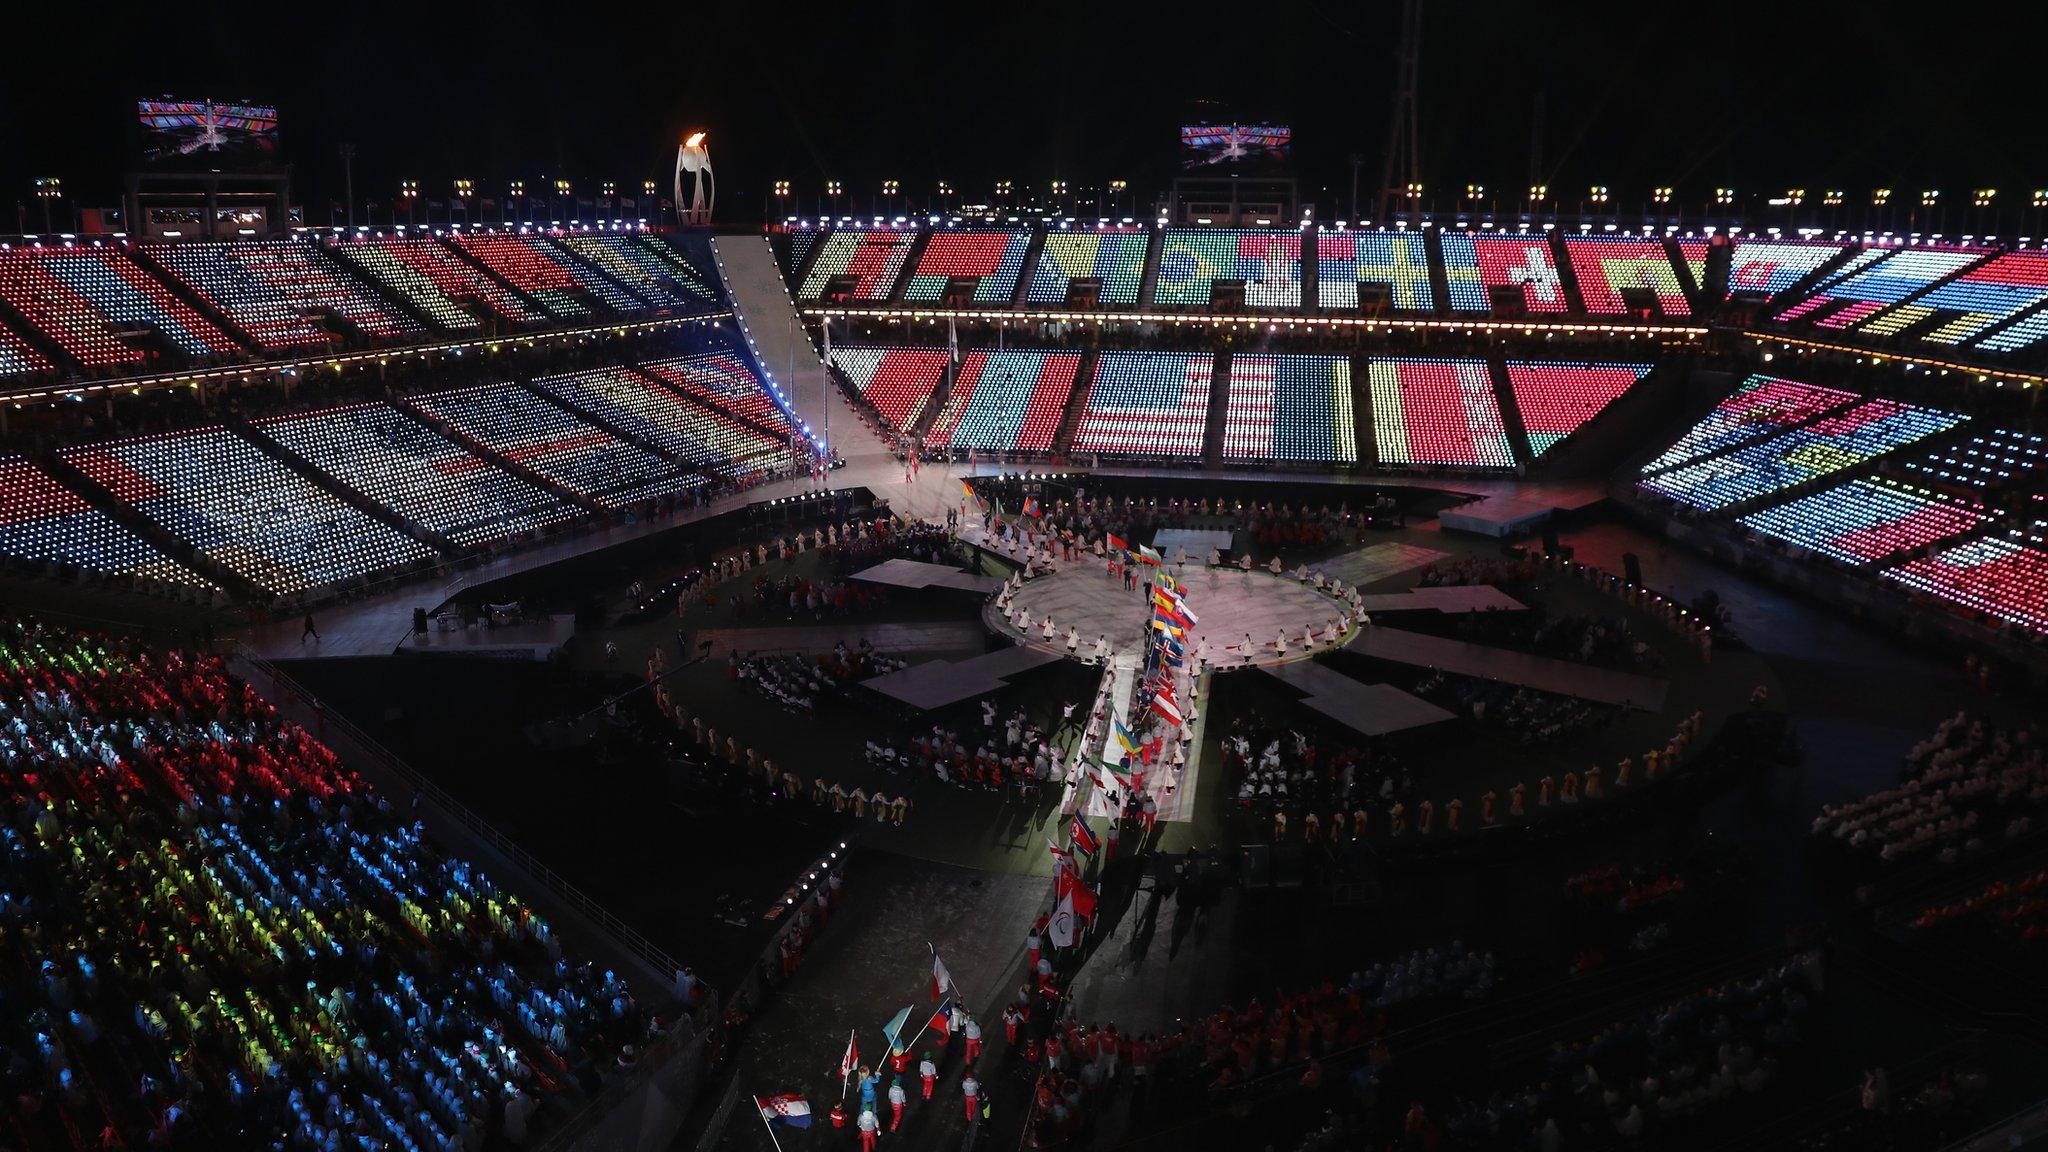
x,y
893,1030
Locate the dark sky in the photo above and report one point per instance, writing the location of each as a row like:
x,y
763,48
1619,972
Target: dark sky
x,y
1639,95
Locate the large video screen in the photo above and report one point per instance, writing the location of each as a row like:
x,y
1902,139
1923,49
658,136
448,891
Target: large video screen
x,y
1237,147
207,133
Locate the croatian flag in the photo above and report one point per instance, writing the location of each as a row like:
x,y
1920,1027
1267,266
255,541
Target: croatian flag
x,y
788,1109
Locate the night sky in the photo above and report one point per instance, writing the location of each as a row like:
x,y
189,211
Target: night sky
x,y
1694,96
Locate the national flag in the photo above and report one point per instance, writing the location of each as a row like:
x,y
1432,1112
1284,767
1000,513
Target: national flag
x,y
851,1061
1149,556
1165,609
1164,705
1170,656
893,1030
1084,838
1063,928
1061,857
1125,738
788,1109
942,980
942,1020
1180,605
1117,543
952,342
1031,506
1168,626
1068,887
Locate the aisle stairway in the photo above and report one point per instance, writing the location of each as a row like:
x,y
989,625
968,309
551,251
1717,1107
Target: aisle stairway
x,y
768,319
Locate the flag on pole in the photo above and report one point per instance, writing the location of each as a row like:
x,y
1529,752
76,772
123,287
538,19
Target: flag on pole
x,y
1124,738
1064,927
851,1061
942,980
1060,855
1117,543
942,1020
788,1109
952,342
826,324
1031,506
1084,838
1149,556
1164,705
893,1030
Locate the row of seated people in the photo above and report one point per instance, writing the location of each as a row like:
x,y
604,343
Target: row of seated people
x,y
1965,787
1606,640
240,496
796,682
45,526
1861,432
2010,910
1077,1065
1649,1075
2001,579
92,299
1532,718
1270,263
218,936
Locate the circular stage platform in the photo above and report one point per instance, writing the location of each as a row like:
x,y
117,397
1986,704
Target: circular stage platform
x,y
1229,602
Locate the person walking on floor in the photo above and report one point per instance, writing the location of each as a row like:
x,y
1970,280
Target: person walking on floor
x,y
310,630
970,1091
897,1099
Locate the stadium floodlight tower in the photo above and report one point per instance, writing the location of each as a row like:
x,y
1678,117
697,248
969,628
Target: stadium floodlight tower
x,y
694,156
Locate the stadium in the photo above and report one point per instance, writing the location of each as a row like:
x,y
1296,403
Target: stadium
x,y
1177,626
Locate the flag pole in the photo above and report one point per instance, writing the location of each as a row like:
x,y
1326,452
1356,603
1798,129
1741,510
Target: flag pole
x,y
763,1114
846,1070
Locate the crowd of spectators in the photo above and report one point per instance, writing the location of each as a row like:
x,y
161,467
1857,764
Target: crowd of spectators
x,y
216,936
1075,1066
1650,1075
1967,786
1530,716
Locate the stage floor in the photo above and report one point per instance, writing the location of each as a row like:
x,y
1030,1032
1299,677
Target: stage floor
x,y
937,683
1450,601
918,574
1603,685
1373,709
1229,603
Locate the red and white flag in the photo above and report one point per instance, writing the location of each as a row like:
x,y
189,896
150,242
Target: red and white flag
x,y
1164,705
942,980
851,1061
